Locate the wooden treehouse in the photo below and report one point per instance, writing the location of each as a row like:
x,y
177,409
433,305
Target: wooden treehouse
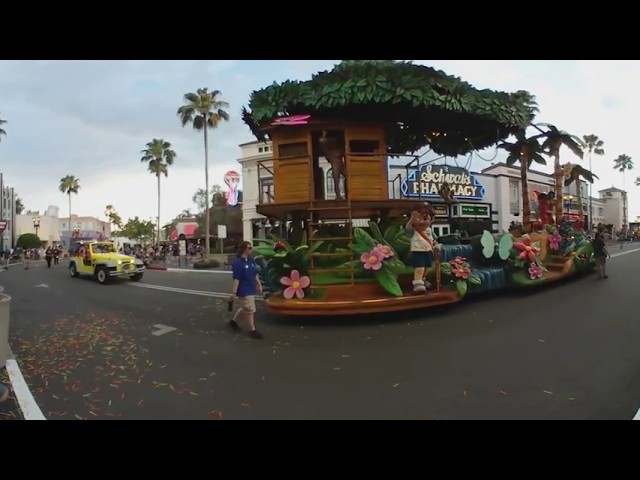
x,y
356,155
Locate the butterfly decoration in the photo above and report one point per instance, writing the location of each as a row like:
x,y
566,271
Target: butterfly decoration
x,y
293,120
489,245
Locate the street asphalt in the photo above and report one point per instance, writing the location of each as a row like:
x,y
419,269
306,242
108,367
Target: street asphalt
x,y
87,352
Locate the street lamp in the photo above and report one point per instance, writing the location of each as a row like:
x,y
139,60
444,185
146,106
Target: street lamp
x,y
36,223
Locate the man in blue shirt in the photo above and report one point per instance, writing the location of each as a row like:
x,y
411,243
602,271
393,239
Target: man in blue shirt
x,y
246,284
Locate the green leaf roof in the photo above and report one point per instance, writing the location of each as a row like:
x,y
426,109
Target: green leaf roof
x,y
421,106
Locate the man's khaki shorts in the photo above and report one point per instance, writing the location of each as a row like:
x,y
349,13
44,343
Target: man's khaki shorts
x,y
248,303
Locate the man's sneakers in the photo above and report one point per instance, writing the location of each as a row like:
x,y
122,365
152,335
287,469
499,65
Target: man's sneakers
x,y
234,326
256,334
253,333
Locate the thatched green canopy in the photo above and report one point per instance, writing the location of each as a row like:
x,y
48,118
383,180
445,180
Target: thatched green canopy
x,y
420,105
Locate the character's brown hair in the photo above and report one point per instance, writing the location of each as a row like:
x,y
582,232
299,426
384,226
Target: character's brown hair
x,y
243,247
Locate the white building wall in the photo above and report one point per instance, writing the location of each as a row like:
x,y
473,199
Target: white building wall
x,y
48,231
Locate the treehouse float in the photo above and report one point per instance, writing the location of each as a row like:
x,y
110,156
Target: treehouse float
x,y
357,117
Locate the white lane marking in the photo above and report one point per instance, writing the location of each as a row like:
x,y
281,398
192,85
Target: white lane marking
x,y
184,291
28,406
162,329
185,270
637,417
42,285
619,254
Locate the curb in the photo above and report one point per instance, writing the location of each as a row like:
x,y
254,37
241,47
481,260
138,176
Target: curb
x,y
153,267
193,270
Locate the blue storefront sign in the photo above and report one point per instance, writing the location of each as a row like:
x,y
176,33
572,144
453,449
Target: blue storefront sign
x,y
427,182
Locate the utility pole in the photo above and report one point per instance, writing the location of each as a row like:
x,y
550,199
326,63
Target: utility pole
x,y
590,197
2,212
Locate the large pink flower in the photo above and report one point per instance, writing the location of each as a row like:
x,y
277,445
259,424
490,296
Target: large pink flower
x,y
527,250
295,285
535,271
460,271
384,250
554,241
372,260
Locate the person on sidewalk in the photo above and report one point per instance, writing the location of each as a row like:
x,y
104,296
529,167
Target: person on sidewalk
x,y
4,393
600,254
244,287
48,256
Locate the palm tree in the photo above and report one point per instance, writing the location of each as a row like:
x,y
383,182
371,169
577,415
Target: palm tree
x,y
574,174
2,132
593,146
202,110
637,182
524,151
554,139
623,164
159,156
68,185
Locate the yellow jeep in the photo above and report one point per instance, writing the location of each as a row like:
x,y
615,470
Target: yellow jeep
x,y
102,261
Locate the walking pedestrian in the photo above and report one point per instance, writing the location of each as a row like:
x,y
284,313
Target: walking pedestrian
x,y
48,256
244,287
600,253
56,255
7,258
27,258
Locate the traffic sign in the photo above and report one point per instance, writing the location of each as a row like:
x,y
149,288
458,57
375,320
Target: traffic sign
x,y
3,226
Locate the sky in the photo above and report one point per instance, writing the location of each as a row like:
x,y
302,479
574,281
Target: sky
x,y
91,119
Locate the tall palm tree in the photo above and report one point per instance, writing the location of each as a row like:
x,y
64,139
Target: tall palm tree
x,y
594,146
623,164
159,156
524,151
68,185
574,174
637,182
204,110
2,132
554,139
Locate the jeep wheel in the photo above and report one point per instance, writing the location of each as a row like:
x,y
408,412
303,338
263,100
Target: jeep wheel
x,y
102,275
73,271
136,278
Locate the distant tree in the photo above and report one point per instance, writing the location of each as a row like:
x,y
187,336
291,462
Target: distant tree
x,y
68,185
593,146
159,156
113,216
29,240
637,182
217,197
139,230
19,206
203,110
2,131
623,164
575,174
186,213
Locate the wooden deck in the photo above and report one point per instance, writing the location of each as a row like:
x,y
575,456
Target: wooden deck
x,y
360,306
336,209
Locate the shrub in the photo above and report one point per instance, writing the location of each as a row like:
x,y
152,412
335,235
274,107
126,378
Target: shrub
x,y
29,240
208,264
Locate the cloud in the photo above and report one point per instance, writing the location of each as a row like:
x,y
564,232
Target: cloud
x,y
92,118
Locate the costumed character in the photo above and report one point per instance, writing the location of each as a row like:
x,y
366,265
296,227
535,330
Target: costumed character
x,y
545,208
446,193
232,179
423,246
334,154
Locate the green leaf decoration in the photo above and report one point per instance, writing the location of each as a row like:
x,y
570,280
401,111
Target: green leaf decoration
x,y
474,280
264,251
376,233
395,265
282,254
505,245
461,287
488,244
388,281
420,100
445,268
300,248
362,240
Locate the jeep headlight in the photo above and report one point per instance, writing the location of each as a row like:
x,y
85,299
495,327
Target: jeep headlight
x,y
119,262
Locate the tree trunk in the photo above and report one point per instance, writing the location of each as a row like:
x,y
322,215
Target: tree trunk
x,y
558,187
69,219
526,202
158,219
207,221
579,191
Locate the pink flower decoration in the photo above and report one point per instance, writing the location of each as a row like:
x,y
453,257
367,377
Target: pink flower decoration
x,y
458,261
293,120
461,272
535,271
527,250
384,250
295,285
554,241
372,260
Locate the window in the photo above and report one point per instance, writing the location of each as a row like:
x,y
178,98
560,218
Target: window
x,y
514,196
330,191
266,191
260,149
600,212
298,149
364,146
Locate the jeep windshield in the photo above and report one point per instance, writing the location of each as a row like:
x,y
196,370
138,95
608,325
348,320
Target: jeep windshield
x,y
103,248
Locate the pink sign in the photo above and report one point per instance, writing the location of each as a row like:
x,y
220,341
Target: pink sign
x,y
294,120
232,180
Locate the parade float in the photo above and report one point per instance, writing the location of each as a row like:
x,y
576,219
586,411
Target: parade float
x,y
347,249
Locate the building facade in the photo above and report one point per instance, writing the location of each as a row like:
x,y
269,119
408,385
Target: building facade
x,y
83,227
45,225
490,199
8,214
